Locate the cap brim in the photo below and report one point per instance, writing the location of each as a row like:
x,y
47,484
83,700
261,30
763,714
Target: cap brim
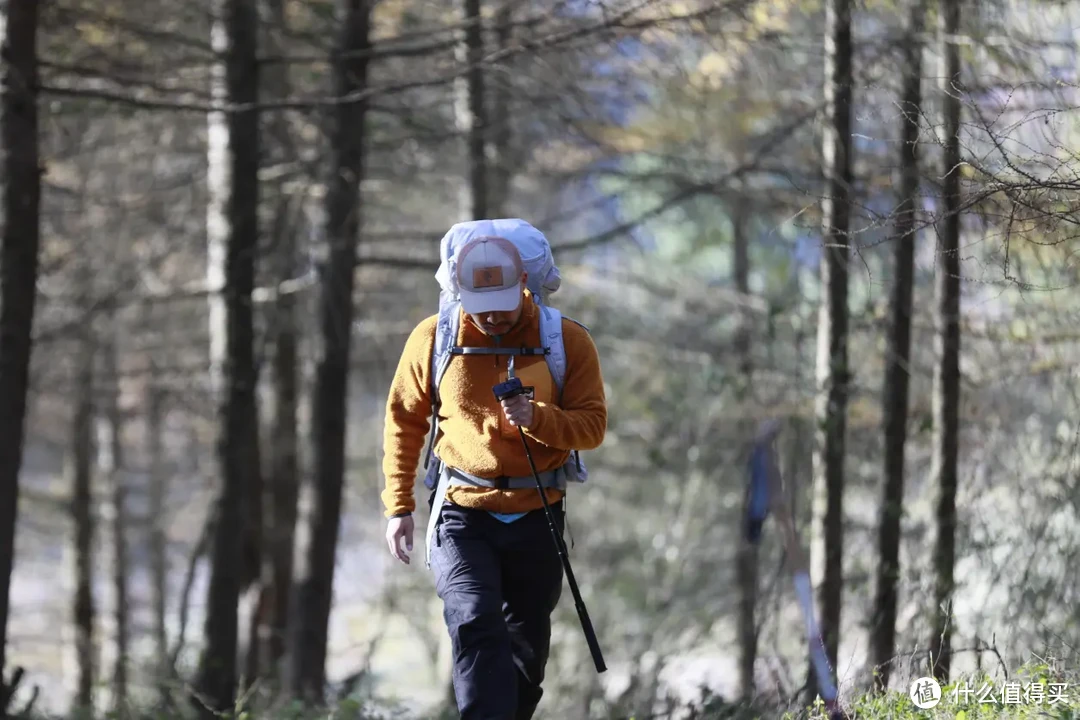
x,y
503,300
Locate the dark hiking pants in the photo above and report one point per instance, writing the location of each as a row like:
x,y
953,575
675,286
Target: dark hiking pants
x,y
499,583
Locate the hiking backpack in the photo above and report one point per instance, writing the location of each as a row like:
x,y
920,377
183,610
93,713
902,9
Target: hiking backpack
x,y
543,280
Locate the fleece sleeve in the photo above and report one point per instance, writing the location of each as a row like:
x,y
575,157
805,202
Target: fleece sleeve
x,y
408,410
581,421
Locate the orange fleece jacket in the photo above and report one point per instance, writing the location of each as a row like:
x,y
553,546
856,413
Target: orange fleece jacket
x,y
474,435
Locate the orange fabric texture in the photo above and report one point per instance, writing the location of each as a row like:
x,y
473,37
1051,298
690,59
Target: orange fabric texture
x,y
474,435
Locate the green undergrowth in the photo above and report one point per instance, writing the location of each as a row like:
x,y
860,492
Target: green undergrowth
x,y
1035,691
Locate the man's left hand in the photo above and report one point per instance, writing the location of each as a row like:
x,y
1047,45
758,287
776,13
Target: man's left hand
x,y
518,411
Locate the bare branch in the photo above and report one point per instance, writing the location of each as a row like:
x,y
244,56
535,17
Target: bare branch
x,y
552,41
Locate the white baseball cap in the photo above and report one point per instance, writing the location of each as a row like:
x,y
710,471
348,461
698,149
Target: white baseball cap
x,y
489,275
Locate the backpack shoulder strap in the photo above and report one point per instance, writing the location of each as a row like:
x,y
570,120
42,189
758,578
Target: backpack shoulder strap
x,y
551,337
446,332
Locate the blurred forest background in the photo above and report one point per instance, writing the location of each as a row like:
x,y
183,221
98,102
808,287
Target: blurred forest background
x,y
221,221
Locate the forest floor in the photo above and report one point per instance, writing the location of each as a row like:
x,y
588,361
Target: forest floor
x,y
1033,691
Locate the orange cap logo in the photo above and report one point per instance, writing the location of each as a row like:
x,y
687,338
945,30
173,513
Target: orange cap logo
x,y
485,277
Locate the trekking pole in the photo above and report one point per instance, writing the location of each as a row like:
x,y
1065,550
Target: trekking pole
x,y
513,388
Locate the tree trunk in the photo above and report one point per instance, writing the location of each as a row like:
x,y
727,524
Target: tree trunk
x,y
281,494
946,383
238,439
330,400
799,444
897,361
19,259
285,471
159,557
747,569
218,180
471,112
832,360
110,465
82,514
500,118
220,156
217,220
740,255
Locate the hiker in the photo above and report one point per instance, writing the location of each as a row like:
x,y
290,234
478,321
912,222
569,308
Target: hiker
x,y
488,543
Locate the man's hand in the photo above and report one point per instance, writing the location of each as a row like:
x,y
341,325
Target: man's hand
x,y
398,528
518,410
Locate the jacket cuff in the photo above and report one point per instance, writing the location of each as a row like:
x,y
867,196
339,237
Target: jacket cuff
x,y
541,419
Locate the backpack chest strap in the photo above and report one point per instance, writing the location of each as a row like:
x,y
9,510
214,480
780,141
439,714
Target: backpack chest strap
x,y
459,350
